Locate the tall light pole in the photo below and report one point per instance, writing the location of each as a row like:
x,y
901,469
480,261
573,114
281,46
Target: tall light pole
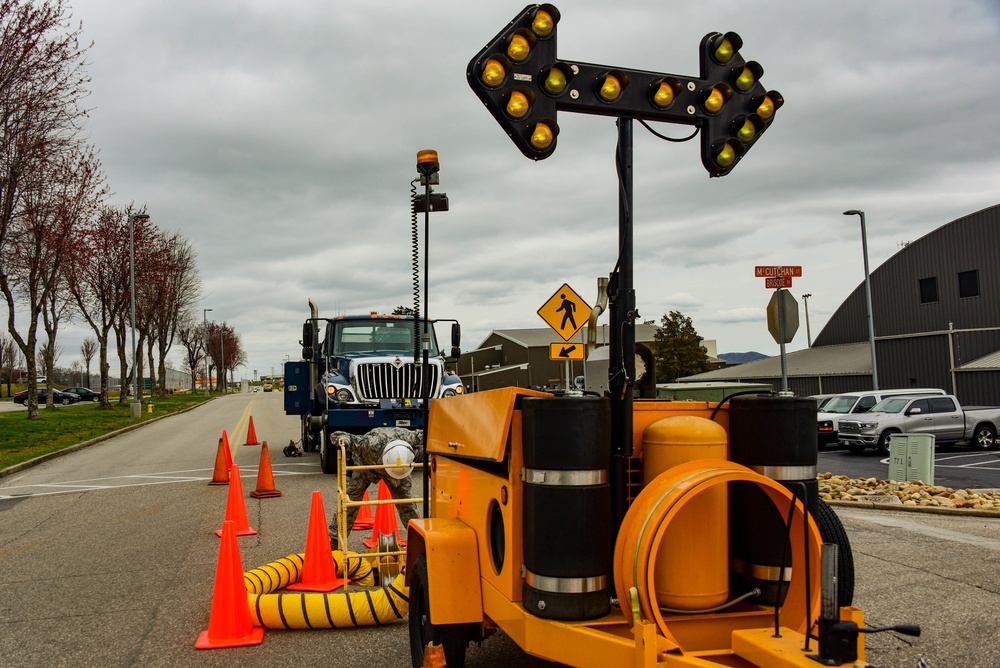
x,y
204,316
222,357
868,294
134,407
809,338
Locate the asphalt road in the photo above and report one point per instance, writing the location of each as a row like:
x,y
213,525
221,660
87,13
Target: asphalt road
x,y
960,467
108,557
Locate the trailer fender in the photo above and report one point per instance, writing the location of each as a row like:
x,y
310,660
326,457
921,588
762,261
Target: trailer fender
x,y
453,580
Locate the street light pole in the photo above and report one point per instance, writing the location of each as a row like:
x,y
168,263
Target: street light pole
x,y
868,294
809,338
204,316
135,410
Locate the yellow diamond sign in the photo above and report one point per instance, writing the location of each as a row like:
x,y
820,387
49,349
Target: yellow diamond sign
x,y
565,312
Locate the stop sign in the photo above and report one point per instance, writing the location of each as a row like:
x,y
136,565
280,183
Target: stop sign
x,y
791,308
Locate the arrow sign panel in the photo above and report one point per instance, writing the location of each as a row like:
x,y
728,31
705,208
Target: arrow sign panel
x,y
566,351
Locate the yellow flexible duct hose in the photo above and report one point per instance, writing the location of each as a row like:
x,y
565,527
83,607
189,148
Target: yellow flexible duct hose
x,y
301,610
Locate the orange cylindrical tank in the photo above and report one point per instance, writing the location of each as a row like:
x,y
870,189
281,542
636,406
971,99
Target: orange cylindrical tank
x,y
692,566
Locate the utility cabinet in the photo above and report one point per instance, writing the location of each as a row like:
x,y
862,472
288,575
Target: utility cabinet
x,y
911,458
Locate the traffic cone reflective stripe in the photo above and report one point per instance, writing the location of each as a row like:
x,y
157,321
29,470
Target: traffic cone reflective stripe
x,y
236,510
220,476
365,519
229,454
318,570
265,476
251,434
229,623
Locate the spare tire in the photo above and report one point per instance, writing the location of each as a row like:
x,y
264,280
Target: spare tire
x,y
832,531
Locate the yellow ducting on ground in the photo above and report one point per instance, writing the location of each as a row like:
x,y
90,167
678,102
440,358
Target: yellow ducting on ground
x,y
298,610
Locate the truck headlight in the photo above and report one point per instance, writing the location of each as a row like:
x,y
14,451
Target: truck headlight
x,y
452,390
869,425
344,395
826,425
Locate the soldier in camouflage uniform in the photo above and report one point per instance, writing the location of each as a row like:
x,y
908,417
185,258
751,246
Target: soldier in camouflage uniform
x,y
366,450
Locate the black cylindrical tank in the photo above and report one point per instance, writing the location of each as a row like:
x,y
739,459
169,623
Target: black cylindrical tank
x,y
776,437
566,508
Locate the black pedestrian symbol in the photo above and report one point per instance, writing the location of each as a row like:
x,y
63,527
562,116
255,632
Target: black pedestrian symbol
x,y
568,307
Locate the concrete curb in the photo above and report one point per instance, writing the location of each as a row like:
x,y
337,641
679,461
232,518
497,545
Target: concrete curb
x,y
17,468
934,510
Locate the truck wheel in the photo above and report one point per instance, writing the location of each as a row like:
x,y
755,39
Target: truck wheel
x,y
453,637
327,454
883,441
984,437
832,531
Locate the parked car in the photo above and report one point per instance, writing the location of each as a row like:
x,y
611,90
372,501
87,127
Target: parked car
x,y
854,402
58,397
85,393
943,417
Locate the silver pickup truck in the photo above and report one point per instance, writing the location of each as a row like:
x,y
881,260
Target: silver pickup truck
x,y
941,416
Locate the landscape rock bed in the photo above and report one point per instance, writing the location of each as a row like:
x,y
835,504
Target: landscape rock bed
x,y
910,494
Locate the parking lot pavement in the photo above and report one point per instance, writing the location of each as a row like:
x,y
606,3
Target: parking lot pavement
x,y
937,571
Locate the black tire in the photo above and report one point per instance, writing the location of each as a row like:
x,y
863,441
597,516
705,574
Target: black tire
x,y
832,531
855,448
984,437
308,438
96,399
65,401
454,637
883,441
327,454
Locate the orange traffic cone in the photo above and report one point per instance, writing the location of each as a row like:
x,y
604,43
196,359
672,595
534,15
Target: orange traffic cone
x,y
251,434
229,454
265,476
220,476
318,570
365,519
386,522
229,623
236,510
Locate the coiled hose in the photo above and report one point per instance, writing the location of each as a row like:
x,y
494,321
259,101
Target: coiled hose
x,y
303,610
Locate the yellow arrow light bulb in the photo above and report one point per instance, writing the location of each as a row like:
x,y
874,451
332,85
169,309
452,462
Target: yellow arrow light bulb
x,y
555,82
541,138
745,80
664,96
542,24
518,48
766,108
726,155
724,52
493,73
517,105
714,101
611,88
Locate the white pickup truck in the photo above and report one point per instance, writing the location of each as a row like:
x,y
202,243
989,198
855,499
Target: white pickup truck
x,y
941,416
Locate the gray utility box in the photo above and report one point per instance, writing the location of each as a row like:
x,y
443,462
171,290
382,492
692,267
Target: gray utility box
x,y
911,457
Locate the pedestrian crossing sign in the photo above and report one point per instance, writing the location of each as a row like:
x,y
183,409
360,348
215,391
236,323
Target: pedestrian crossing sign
x,y
565,311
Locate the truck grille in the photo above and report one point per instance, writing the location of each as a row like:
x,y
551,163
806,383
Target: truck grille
x,y
384,381
850,428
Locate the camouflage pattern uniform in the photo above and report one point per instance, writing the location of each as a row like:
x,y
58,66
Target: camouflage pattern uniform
x,y
366,450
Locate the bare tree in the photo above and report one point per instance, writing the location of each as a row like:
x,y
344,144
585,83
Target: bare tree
x,y
43,81
87,351
191,333
9,356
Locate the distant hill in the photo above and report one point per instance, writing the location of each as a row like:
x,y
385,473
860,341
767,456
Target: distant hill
x,y
740,358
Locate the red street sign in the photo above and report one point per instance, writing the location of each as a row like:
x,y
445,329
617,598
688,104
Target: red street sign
x,y
765,271
778,282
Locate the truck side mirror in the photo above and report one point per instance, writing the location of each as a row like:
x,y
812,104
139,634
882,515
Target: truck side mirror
x,y
456,335
456,352
307,341
914,411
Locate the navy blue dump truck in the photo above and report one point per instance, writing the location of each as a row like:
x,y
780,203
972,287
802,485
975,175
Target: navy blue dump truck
x,y
360,374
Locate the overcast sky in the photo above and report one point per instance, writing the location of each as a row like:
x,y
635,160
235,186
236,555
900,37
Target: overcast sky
x,y
281,139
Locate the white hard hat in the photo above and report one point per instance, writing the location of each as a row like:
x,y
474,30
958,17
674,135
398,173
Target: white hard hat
x,y
398,455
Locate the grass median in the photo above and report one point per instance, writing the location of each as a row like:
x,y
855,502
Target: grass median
x,y
60,427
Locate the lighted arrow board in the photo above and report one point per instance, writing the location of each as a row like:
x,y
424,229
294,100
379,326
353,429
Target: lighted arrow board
x,y
523,83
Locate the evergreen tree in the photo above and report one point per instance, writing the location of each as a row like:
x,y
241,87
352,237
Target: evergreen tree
x,y
677,348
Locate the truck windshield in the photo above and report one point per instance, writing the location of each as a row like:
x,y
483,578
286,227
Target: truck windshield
x,y
376,336
840,405
891,405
